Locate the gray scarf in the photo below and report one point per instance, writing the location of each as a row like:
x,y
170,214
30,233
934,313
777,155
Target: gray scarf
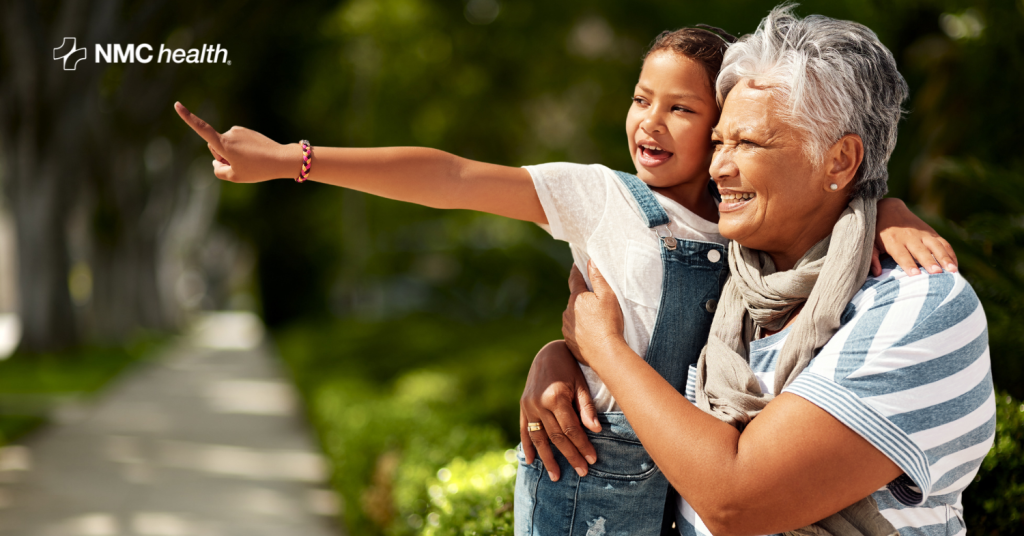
x,y
757,297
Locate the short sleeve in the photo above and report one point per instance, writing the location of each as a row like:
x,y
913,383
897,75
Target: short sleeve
x,y
909,371
573,197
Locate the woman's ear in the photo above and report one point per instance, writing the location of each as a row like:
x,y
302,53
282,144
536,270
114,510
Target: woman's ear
x,y
842,162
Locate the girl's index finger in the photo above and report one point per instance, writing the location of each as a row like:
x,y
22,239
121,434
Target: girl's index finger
x,y
201,127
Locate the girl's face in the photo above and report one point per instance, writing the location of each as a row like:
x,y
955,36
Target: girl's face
x,y
669,123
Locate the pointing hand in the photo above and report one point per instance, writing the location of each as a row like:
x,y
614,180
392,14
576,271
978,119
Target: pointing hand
x,y
243,155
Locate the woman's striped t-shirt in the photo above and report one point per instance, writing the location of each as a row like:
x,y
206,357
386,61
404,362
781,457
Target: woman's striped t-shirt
x,y
909,371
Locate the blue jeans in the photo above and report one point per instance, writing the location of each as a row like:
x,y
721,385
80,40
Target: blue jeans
x,y
623,493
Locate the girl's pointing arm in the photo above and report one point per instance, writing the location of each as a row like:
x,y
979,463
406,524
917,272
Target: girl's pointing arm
x,y
414,174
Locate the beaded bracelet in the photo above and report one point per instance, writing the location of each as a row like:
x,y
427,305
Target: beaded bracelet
x,y
307,161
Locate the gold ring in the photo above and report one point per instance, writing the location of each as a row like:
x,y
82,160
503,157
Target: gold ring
x,y
534,426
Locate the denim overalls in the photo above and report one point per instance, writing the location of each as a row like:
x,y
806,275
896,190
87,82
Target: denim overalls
x,y
625,492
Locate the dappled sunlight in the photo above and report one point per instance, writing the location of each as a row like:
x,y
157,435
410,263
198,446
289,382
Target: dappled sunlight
x,y
248,463
254,397
227,330
15,458
10,334
93,524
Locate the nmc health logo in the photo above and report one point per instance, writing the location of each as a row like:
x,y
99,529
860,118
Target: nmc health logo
x,y
71,54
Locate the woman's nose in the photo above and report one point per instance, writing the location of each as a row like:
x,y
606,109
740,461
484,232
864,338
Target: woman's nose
x,y
722,164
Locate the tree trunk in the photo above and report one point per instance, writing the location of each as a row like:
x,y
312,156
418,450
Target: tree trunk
x,y
65,134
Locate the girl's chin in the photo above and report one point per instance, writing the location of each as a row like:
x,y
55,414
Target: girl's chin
x,y
657,178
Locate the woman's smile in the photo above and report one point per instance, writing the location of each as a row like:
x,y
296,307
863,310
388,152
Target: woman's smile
x,y
734,200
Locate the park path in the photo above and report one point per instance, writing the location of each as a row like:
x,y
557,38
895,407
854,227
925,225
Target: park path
x,y
206,440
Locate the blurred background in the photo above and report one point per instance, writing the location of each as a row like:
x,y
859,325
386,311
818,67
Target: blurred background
x,y
407,331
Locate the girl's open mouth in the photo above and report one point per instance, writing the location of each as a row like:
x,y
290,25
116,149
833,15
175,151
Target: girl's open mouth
x,y
735,200
649,155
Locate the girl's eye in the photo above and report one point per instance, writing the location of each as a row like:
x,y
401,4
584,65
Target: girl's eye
x,y
681,109
638,100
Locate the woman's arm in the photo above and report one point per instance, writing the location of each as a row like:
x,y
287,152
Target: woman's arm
x,y
793,465
414,174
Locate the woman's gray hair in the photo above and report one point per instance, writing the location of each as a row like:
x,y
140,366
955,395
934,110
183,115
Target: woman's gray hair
x,y
834,77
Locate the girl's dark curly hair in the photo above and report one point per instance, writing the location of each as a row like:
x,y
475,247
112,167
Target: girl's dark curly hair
x,y
704,44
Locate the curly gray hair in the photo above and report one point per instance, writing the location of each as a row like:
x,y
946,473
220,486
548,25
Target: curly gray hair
x,y
834,77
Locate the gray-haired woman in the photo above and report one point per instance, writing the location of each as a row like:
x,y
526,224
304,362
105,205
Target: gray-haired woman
x,y
861,387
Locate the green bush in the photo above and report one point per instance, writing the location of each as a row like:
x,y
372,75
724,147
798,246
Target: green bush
x,y
994,502
472,498
386,446
396,401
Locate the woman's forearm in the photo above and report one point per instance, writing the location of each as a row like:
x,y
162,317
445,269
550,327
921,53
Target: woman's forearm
x,y
694,450
793,465
429,177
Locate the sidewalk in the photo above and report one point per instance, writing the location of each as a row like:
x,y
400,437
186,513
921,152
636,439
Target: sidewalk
x,y
200,442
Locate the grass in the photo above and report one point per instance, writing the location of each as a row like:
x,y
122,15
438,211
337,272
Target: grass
x,y
30,384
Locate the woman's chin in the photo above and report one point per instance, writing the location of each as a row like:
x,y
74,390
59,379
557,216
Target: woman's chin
x,y
735,227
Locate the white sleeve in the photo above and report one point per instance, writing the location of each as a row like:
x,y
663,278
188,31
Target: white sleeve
x,y
573,197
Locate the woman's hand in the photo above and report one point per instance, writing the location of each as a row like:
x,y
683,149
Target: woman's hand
x,y
592,319
554,385
577,282
909,241
243,155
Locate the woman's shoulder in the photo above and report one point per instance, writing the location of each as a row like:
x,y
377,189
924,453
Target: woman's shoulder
x,y
911,342
942,301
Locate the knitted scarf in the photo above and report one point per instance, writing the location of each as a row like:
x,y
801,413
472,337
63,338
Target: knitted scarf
x,y
757,297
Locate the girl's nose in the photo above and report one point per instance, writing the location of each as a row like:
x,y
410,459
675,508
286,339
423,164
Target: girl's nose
x,y
652,124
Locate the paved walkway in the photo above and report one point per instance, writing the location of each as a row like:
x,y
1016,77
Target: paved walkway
x,y
201,442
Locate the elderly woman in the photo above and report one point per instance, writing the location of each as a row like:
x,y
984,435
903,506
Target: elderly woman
x,y
862,388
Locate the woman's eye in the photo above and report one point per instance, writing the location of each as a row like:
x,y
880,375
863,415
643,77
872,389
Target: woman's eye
x,y
748,143
716,145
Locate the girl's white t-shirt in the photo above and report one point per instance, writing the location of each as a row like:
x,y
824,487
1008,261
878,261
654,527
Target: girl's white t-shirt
x,y
589,207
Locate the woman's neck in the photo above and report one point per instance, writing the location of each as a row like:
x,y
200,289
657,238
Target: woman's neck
x,y
788,253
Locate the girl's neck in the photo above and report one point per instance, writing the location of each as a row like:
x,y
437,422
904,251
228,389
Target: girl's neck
x,y
695,196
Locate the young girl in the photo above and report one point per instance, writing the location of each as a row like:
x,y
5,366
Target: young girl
x,y
653,235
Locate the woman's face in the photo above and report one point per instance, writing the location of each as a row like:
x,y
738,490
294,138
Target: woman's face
x,y
771,193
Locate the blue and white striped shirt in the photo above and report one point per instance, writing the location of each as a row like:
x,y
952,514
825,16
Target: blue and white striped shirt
x,y
909,371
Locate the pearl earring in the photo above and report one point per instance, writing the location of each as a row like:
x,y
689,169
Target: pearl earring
x,y
834,187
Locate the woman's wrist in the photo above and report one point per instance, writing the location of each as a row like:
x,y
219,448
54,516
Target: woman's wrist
x,y
603,350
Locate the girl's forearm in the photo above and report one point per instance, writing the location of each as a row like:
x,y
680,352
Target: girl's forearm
x,y
428,177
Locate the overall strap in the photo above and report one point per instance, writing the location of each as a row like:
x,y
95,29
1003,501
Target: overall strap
x,y
650,209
